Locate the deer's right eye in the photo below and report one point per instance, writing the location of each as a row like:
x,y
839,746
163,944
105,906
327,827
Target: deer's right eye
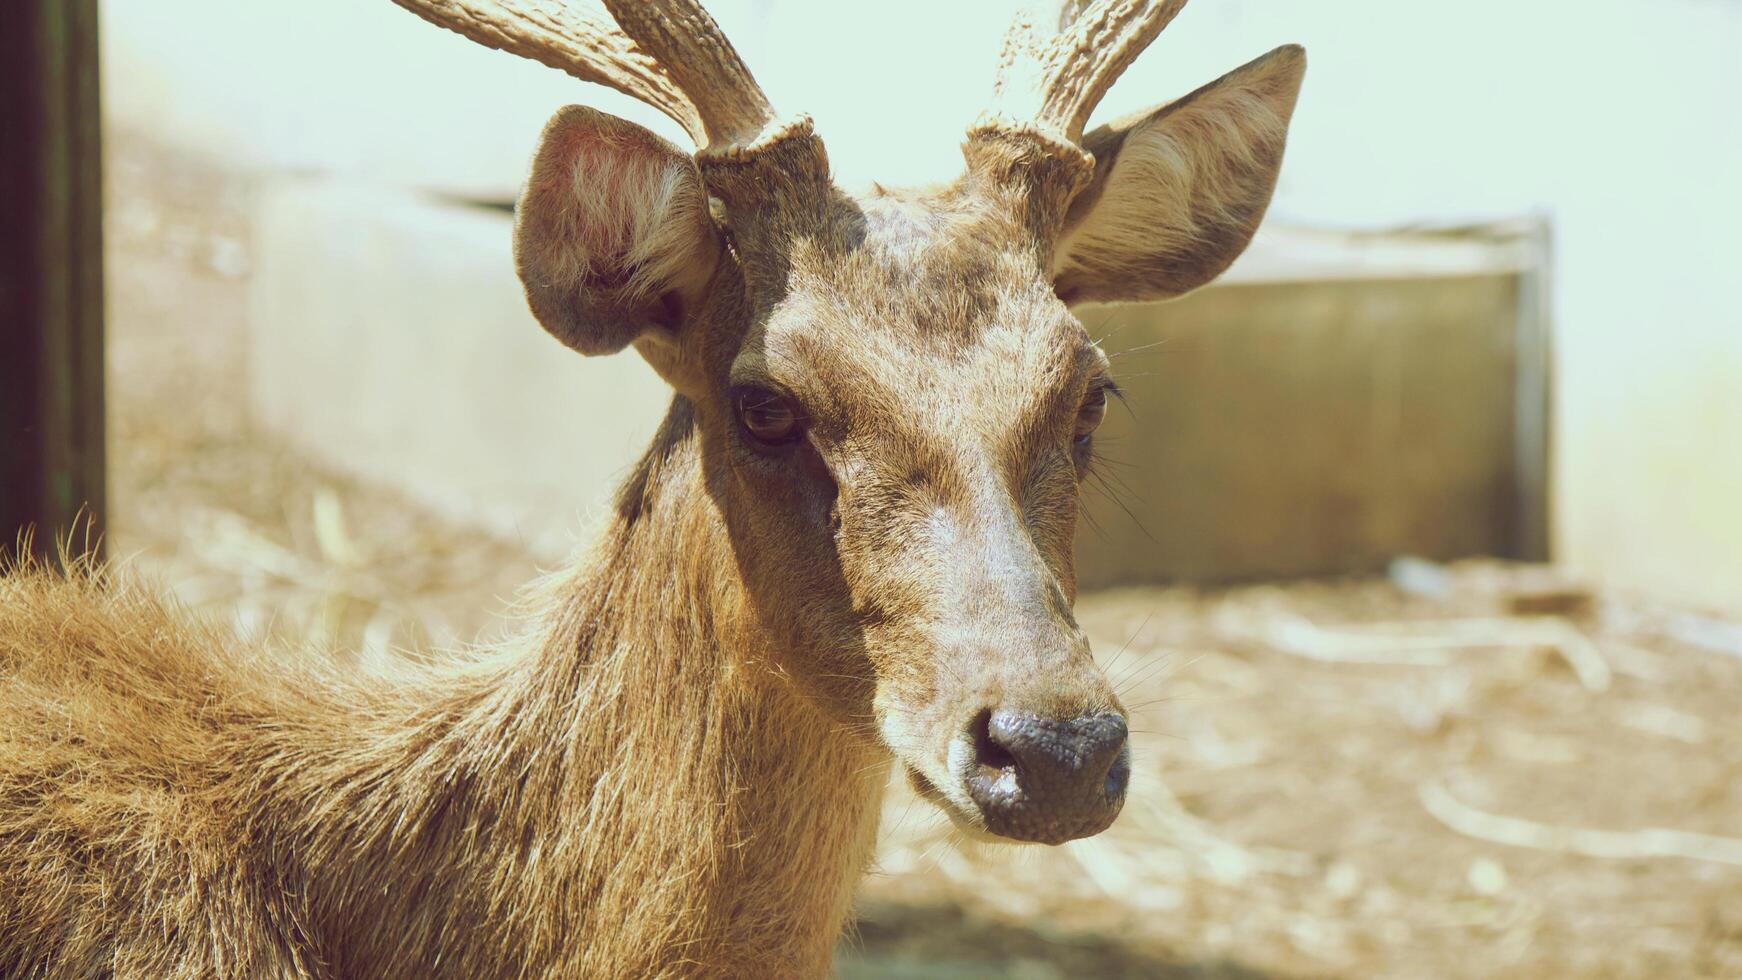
x,y
769,419
1094,408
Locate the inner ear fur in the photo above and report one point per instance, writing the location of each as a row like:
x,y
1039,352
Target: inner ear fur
x,y
1179,189
612,236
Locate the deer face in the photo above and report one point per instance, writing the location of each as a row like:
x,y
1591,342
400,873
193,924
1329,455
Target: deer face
x,y
894,406
907,430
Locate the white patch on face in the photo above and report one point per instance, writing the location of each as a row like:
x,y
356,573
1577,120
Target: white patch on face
x,y
995,589
944,529
941,526
1001,556
1007,556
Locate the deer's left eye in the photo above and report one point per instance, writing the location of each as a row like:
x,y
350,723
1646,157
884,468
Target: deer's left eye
x,y
1093,409
770,419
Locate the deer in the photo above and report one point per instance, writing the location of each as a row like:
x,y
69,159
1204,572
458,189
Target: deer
x,y
846,558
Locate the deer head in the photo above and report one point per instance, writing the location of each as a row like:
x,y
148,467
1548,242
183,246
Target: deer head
x,y
895,404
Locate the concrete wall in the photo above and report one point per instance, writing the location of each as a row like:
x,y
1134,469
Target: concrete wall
x,y
389,336
1279,429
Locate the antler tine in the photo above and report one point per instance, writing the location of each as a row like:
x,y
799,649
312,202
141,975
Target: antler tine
x,y
703,63
670,55
1052,81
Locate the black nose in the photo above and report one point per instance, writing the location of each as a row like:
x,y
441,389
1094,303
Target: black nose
x,y
1048,780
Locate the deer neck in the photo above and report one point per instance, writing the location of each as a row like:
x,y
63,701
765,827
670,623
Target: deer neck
x,y
637,791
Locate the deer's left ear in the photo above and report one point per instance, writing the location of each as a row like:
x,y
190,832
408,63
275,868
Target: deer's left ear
x,y
1179,190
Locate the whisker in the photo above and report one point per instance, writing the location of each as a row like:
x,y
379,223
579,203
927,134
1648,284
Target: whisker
x,y
1127,644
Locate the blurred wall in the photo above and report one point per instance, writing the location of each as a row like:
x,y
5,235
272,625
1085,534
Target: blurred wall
x,y
1617,118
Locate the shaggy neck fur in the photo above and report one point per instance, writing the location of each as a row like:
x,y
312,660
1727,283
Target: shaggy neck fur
x,y
638,792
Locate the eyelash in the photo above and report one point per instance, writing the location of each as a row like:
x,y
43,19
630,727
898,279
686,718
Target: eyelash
x,y
1100,390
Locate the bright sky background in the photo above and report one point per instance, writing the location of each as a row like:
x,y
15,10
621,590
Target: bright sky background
x,y
1411,109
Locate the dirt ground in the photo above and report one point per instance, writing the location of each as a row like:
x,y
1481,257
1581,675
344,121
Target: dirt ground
x,y
1475,771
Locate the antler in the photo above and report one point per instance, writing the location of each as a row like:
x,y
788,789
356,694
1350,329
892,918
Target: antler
x,y
669,54
1051,81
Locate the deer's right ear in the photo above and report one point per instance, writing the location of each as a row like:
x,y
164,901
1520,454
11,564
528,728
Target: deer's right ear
x,y
612,237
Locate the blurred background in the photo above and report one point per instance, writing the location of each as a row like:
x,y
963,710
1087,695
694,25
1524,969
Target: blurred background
x,y
1423,556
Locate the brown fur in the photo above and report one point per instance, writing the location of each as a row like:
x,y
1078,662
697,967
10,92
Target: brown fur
x,y
677,771
603,798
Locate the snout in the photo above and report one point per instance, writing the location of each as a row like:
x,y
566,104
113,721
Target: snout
x,y
1045,779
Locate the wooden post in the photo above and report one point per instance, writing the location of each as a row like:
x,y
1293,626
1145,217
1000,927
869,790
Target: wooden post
x,y
51,274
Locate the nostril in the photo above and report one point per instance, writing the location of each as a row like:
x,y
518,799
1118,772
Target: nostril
x,y
1118,777
990,756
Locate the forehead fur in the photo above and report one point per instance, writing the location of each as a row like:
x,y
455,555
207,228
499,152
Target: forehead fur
x,y
940,274
943,262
